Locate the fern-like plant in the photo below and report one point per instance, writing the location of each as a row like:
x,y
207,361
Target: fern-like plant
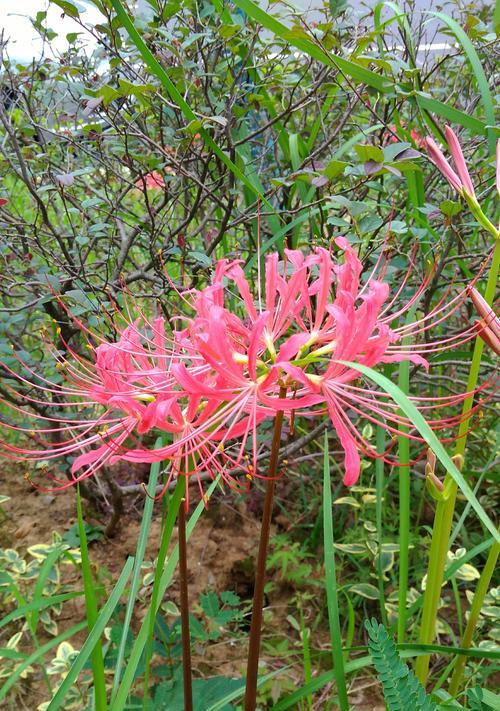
x,y
402,690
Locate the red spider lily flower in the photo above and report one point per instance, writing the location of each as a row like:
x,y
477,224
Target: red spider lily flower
x,y
209,385
131,381
153,181
294,336
459,180
118,380
489,326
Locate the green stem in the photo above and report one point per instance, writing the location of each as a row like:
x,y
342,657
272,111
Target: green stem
x,y
184,600
260,570
477,603
443,518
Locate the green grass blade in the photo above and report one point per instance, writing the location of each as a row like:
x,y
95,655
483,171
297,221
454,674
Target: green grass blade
x,y
331,584
302,41
379,508
142,637
428,435
278,236
404,508
406,651
93,637
40,604
97,659
479,73
357,72
48,563
37,656
237,693
427,103
318,683
147,515
173,509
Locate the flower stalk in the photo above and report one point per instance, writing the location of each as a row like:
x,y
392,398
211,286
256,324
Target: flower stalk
x,y
260,570
445,508
477,603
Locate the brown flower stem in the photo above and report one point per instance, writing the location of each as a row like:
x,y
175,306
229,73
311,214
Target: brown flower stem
x,y
186,641
260,569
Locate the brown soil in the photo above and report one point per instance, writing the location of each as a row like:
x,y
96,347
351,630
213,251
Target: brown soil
x,y
221,554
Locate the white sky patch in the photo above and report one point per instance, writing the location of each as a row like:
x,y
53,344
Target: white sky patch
x,y
23,41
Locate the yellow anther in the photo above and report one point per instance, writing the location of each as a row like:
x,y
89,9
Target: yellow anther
x,y
249,477
144,397
270,346
240,358
328,348
220,447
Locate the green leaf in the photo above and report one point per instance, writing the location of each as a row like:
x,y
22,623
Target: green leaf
x,y
178,98
402,690
337,6
331,584
479,73
355,70
37,656
97,659
428,435
146,519
367,152
67,7
89,644
209,603
353,548
450,208
120,700
365,590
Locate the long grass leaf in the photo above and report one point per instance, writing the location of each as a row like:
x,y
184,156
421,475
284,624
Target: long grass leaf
x,y
357,72
479,73
428,435
331,584
147,515
91,609
39,604
93,637
142,636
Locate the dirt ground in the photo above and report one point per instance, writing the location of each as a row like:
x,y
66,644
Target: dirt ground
x,y
221,554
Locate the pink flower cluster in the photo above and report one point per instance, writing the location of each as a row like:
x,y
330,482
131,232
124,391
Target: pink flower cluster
x,y
238,357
